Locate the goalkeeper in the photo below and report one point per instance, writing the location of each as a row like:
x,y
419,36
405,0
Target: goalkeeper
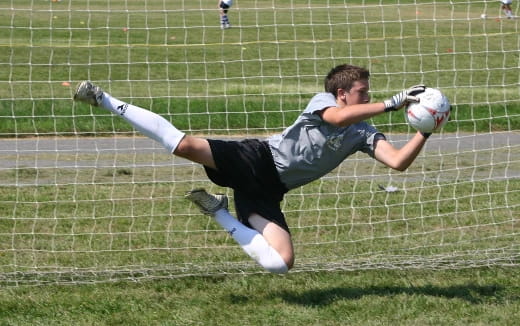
x,y
260,172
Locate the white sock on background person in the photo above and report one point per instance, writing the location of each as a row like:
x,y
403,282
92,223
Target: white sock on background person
x,y
252,242
148,123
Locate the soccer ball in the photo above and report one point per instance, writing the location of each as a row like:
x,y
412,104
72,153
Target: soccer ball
x,y
430,113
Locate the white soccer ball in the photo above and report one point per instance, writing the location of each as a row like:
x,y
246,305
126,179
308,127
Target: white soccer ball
x,y
483,16
431,112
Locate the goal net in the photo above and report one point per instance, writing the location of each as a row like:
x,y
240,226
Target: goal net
x,y
84,198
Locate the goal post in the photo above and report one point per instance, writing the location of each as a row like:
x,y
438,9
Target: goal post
x,y
84,198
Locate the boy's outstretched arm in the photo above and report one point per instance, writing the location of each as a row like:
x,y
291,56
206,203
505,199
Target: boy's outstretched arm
x,y
400,159
347,113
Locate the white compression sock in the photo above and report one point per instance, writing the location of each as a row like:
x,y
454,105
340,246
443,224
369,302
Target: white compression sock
x,y
253,243
147,122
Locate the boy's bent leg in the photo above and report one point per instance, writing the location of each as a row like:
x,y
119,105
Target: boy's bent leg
x,y
251,241
254,243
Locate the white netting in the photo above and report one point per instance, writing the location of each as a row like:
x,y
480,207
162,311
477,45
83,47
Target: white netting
x,y
85,199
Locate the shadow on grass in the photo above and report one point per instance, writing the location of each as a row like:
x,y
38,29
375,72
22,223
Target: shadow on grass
x,y
321,297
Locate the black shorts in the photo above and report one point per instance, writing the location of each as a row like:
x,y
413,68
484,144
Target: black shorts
x,y
224,7
248,168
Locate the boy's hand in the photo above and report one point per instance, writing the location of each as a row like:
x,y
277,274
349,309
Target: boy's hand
x,y
401,99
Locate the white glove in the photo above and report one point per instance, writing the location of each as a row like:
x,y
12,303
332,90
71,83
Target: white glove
x,y
401,99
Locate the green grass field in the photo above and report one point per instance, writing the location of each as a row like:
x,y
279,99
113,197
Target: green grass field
x,y
125,242
414,297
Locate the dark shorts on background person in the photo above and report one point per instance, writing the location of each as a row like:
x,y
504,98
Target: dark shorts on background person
x,y
248,168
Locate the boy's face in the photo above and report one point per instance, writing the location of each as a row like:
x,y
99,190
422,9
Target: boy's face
x,y
358,94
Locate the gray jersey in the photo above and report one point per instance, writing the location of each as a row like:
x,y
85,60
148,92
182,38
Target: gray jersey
x,y
311,147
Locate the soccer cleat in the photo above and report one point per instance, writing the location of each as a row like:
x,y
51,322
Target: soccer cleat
x,y
88,93
207,203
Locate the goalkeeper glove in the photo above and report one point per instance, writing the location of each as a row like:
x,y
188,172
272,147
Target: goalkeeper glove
x,y
400,99
426,135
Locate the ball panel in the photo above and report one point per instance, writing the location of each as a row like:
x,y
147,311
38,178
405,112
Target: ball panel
x,y
420,118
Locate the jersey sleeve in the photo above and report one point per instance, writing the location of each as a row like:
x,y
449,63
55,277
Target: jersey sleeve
x,y
319,102
372,136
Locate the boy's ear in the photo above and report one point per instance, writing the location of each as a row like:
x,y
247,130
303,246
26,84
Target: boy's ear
x,y
341,93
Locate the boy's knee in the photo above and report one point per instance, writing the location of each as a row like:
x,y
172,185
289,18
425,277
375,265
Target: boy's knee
x,y
278,268
187,146
182,147
278,263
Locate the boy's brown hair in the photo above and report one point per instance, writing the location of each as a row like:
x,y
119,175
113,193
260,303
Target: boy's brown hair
x,y
344,76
